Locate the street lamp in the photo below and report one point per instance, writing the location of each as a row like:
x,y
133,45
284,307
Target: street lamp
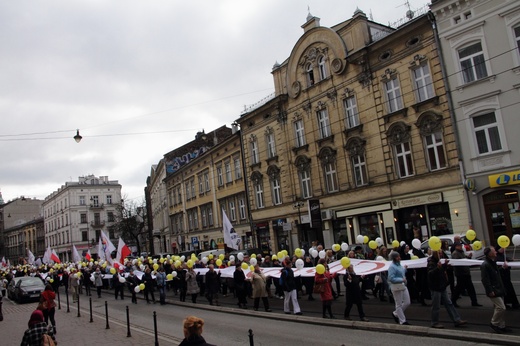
x,y
298,205
77,137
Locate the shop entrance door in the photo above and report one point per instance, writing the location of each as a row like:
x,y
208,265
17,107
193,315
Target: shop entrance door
x,y
502,214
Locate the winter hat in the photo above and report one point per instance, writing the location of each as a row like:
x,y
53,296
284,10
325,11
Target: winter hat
x,y
36,317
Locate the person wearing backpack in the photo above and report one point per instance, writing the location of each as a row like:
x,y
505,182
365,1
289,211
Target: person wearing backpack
x,y
34,335
288,284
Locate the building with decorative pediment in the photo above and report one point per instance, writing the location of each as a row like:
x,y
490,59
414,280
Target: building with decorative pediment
x,y
357,139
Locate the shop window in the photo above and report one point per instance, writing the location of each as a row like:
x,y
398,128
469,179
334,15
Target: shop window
x,y
369,225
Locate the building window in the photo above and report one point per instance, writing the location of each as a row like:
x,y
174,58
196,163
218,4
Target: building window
x,y
254,152
84,235
201,185
179,194
324,123
472,63
192,185
242,208
303,165
423,83
204,215
232,211
238,169
206,181
195,218
486,133
310,74
299,133
322,67
403,156
110,217
271,148
276,191
229,177
331,178
83,218
82,200
516,32
219,176
351,112
95,201
360,169
259,195
210,215
190,221
188,190
393,95
435,151
109,199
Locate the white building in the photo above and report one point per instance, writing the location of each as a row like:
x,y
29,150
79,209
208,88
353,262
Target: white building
x,y
77,213
480,41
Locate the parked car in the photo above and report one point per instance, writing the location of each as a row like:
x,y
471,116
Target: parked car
x,y
476,254
25,288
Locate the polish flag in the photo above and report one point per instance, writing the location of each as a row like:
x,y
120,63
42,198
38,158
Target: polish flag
x,y
4,263
55,257
88,256
123,251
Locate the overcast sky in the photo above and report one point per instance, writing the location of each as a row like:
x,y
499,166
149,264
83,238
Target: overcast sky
x,y
137,78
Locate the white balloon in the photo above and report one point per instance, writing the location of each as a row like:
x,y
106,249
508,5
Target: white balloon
x,y
344,246
322,254
137,289
303,252
142,267
122,280
182,258
380,258
155,261
240,256
516,239
360,239
379,241
174,273
314,253
402,243
134,262
92,278
204,260
76,276
299,263
416,243
253,261
232,258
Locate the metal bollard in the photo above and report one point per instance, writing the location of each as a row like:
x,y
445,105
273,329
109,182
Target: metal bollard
x,y
106,314
79,314
90,302
68,310
128,334
155,328
251,341
1,313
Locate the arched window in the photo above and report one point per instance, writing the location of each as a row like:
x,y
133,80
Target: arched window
x,y
310,74
322,68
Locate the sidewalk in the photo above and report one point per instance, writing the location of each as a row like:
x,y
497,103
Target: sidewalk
x,y
72,330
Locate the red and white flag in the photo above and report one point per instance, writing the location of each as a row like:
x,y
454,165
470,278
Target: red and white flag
x,y
4,263
123,251
54,257
47,255
88,256
108,247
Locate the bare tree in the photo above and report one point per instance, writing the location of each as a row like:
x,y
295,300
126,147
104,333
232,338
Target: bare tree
x,y
130,224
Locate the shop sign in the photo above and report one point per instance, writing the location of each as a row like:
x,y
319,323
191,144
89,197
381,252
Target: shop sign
x,y
419,200
504,179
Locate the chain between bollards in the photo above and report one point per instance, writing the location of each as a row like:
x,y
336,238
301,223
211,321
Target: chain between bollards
x,y
155,328
90,303
79,314
128,334
106,314
251,341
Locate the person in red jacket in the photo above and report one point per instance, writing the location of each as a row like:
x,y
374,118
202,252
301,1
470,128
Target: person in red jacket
x,y
326,296
48,297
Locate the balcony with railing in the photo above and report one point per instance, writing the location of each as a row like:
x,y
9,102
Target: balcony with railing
x,y
97,223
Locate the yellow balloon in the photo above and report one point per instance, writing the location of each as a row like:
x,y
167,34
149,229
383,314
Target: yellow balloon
x,y
298,252
252,268
210,256
395,244
274,257
244,265
336,247
365,239
345,262
79,274
112,271
141,287
162,260
177,264
221,256
414,257
169,277
285,252
320,269
190,264
253,255
435,243
470,234
155,266
503,241
281,254
218,262
372,244
477,245
51,281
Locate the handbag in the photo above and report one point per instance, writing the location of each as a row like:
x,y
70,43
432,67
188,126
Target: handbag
x,y
47,340
319,287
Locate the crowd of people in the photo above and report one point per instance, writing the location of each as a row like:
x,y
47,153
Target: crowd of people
x,y
398,285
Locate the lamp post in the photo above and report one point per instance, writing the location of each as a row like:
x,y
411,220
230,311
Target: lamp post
x,y
298,205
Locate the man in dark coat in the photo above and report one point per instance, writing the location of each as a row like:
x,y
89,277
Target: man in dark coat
x,y
288,284
494,289
212,285
353,294
463,275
